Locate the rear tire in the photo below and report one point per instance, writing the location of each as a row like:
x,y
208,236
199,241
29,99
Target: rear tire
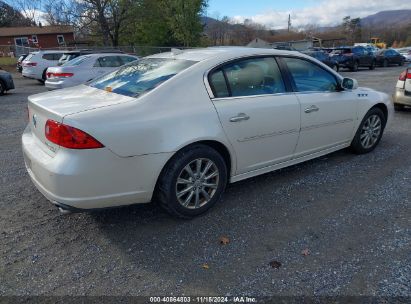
x,y
401,63
369,132
355,67
385,63
398,107
185,188
372,66
2,88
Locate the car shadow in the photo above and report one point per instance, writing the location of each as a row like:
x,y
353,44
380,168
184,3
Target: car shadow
x,y
135,215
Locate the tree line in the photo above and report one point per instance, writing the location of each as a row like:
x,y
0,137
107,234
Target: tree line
x,y
119,22
176,23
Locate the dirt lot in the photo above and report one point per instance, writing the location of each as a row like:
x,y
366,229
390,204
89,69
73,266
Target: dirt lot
x,y
351,212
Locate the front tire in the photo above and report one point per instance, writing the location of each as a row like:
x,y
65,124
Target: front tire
x,y
369,132
192,181
372,66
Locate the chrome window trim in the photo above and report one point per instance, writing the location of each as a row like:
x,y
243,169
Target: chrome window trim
x,y
207,72
251,96
211,94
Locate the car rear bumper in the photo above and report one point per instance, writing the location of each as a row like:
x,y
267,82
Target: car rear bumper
x,y
91,179
53,85
402,97
29,75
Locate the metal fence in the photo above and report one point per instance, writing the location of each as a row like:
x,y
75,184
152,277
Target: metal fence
x,y
139,50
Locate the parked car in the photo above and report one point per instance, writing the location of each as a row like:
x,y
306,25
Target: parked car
x,y
354,57
84,68
325,58
402,96
19,66
406,52
388,57
70,55
36,63
175,128
6,82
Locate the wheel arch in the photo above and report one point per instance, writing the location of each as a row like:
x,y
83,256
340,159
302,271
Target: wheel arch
x,y
383,107
214,144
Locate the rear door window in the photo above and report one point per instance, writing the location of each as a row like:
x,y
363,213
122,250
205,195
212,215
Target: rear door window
x,y
247,77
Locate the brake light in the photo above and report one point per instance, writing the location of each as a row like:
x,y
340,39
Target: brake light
x,y
405,75
49,75
30,64
70,137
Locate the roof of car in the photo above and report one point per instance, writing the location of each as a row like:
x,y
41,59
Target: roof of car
x,y
107,54
224,52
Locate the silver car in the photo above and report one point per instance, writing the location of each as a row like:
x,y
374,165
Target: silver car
x,y
85,68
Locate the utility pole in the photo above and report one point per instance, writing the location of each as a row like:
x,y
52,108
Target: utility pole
x,y
289,22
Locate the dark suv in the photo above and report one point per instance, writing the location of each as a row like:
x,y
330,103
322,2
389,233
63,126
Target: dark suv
x,y
353,57
324,57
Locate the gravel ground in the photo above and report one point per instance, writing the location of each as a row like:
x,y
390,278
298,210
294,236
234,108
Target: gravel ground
x,y
338,225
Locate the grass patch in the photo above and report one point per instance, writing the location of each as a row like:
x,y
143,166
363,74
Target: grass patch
x,y
7,61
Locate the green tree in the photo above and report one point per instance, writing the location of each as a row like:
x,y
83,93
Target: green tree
x,y
184,19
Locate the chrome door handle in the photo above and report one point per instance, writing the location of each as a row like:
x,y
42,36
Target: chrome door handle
x,y
312,108
240,117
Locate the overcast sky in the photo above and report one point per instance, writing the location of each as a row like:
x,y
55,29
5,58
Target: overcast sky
x,y
274,14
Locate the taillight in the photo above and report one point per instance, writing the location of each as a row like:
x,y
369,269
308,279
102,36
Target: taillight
x,y
348,54
405,75
70,137
49,75
30,64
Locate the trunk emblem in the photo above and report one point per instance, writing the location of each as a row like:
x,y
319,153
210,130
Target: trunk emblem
x,y
35,120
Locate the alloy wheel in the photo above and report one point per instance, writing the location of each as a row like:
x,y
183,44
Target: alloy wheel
x,y
197,183
371,131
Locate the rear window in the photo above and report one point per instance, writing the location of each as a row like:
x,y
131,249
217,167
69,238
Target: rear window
x,y
141,76
67,57
76,61
29,57
341,51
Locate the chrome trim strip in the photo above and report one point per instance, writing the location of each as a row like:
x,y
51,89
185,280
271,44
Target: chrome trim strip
x,y
268,135
253,96
326,124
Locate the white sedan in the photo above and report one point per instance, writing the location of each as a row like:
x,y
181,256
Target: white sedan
x,y
177,127
85,68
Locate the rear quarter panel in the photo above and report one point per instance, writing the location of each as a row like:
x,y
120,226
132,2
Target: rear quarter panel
x,y
179,112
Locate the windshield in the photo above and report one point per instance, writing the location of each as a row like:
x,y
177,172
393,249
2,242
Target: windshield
x,y
141,76
75,61
67,57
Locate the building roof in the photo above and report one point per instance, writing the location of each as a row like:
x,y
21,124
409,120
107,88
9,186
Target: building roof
x,y
35,30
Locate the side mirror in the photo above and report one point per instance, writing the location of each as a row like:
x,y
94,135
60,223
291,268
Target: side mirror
x,y
349,84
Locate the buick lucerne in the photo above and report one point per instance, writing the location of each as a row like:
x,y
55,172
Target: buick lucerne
x,y
175,128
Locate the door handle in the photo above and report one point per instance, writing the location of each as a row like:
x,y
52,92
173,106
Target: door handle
x,y
240,117
312,108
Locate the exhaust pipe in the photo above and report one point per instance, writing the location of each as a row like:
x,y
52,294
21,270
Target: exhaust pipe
x,y
64,211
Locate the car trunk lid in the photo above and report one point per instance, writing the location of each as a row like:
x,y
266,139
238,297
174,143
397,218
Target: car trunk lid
x,y
57,104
